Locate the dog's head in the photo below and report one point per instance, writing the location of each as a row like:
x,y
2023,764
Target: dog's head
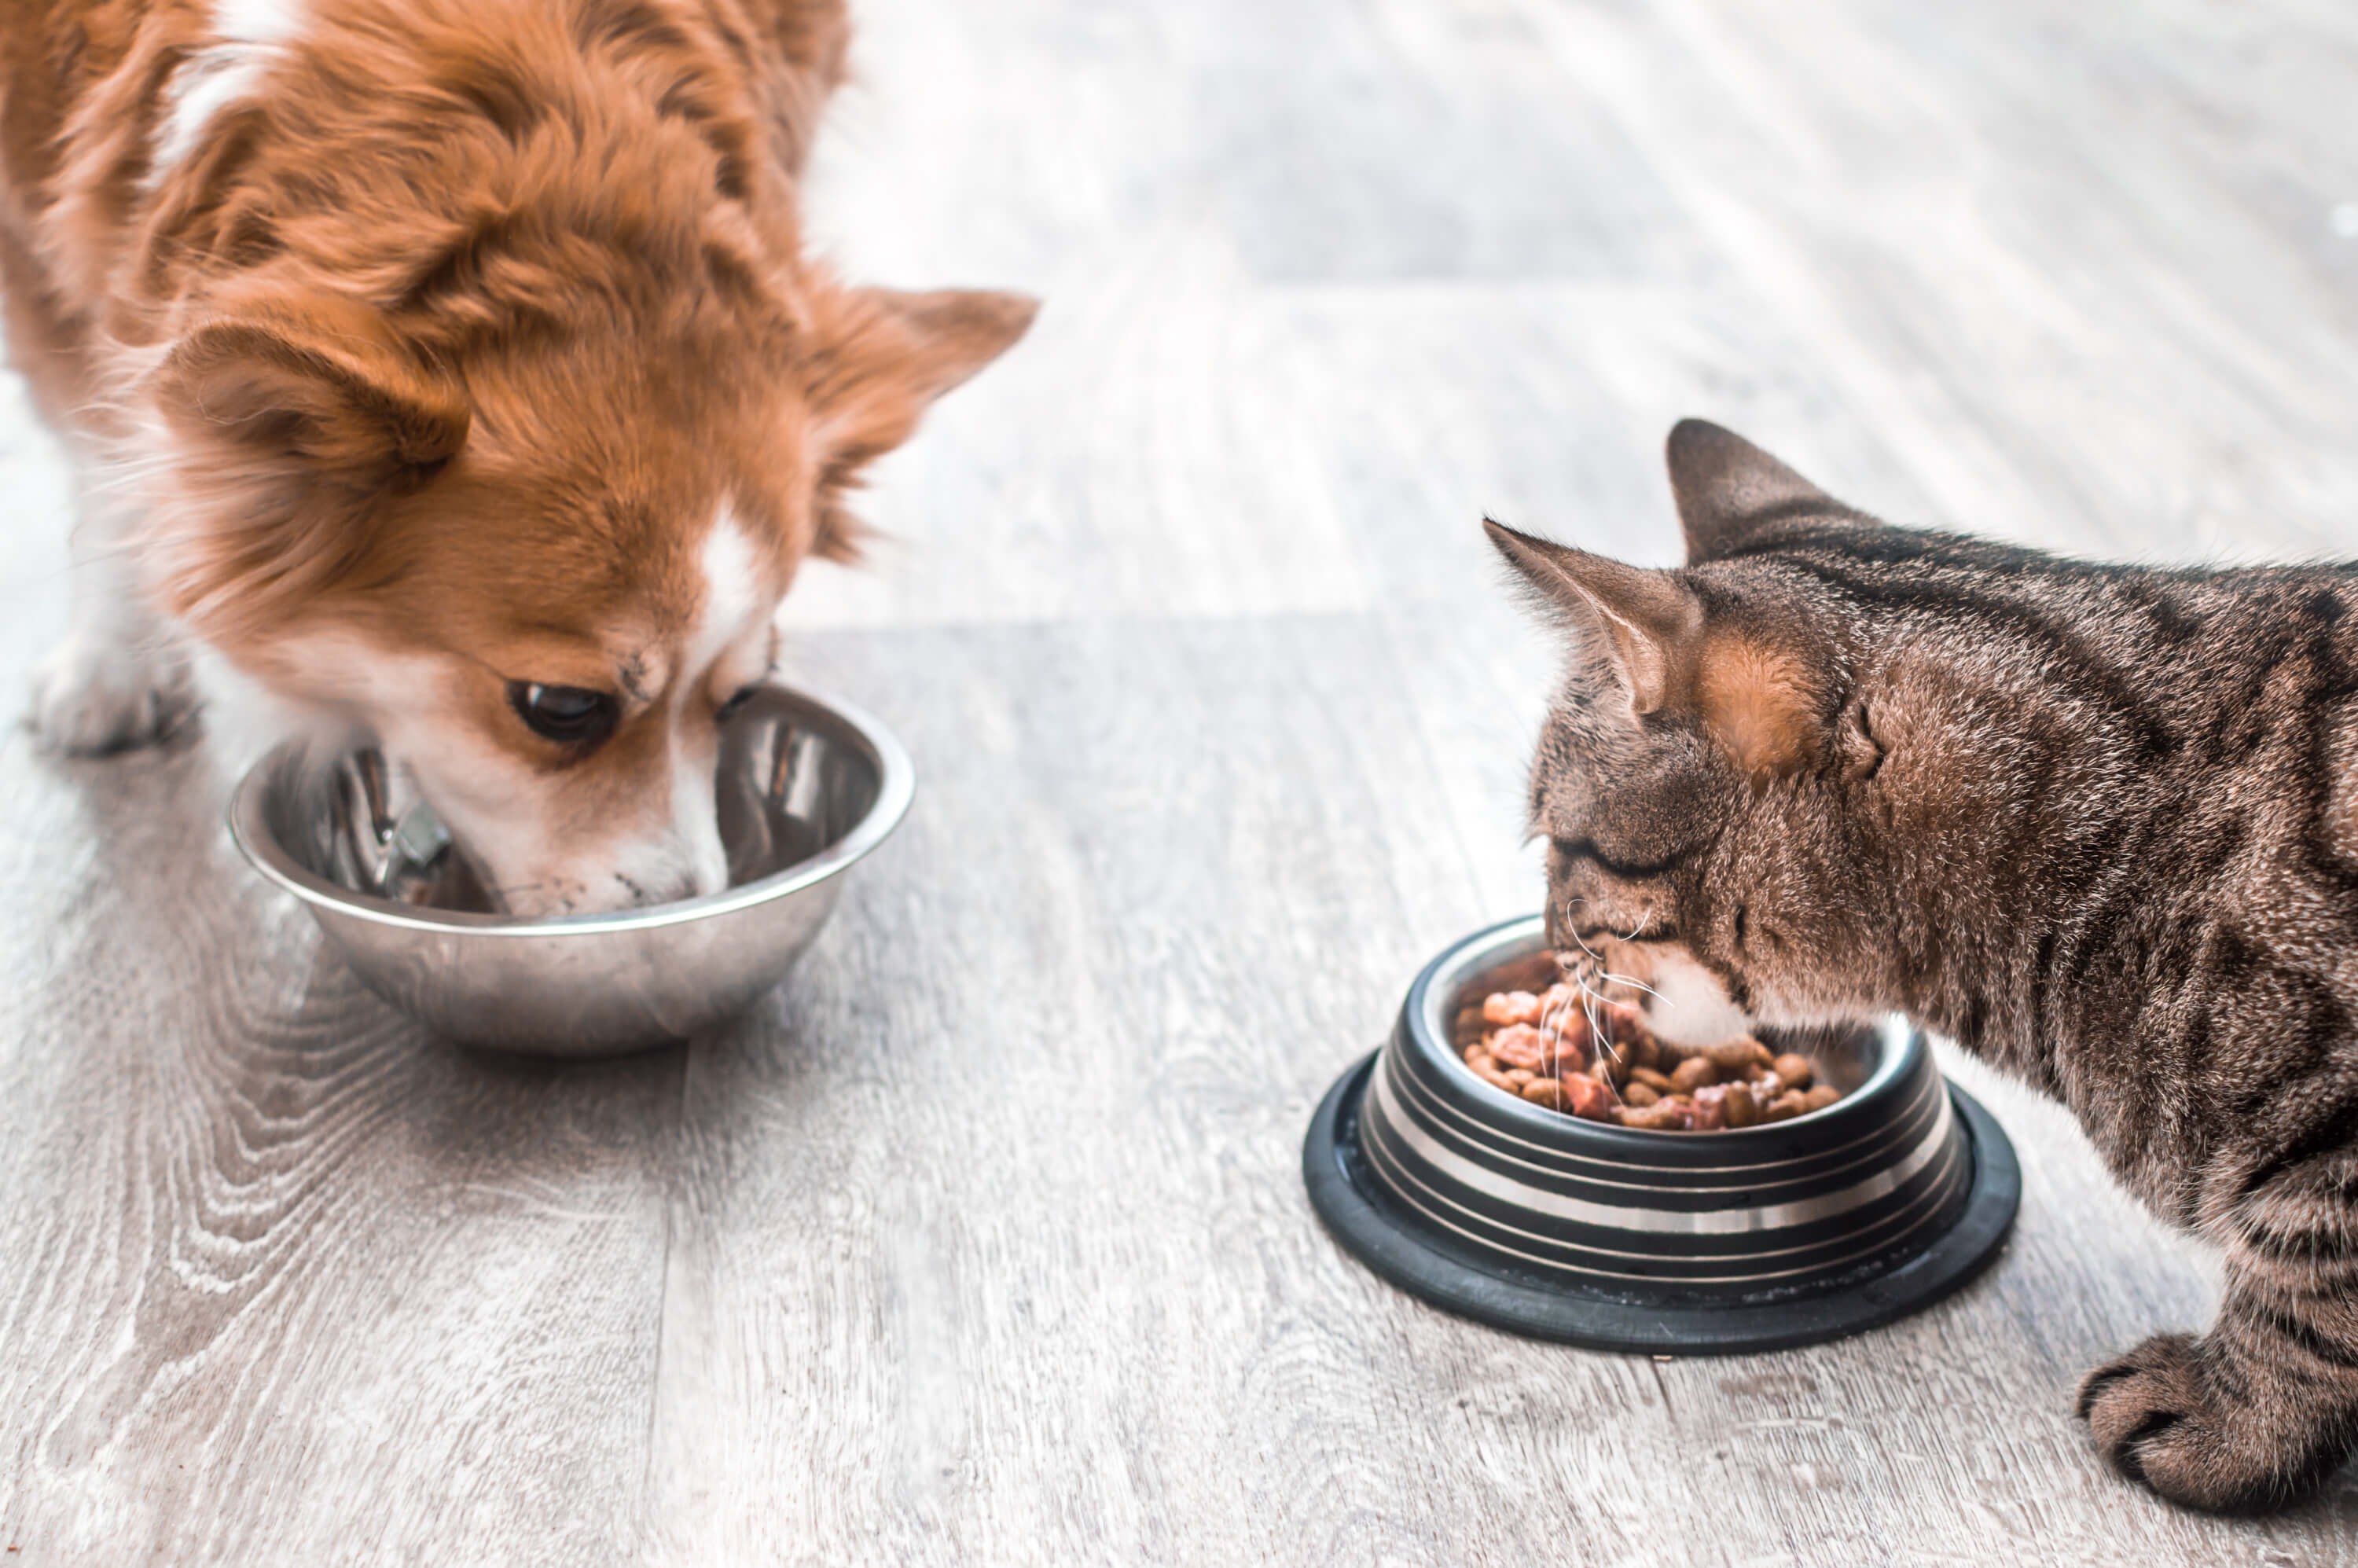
x,y
535,564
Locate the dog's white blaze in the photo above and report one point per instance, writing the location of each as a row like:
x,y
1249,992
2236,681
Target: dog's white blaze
x,y
250,34
733,608
732,597
258,21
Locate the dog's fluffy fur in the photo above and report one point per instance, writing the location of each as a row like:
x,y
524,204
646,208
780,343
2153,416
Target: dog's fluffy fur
x,y
415,351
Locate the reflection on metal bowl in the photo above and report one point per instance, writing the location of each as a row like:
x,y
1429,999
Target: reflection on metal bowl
x,y
807,787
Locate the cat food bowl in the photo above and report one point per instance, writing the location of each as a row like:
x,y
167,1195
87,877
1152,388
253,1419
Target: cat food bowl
x,y
1771,1236
807,787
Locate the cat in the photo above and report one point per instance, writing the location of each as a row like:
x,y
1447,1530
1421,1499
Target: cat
x,y
2097,824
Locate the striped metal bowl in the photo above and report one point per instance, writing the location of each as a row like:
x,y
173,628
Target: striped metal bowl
x,y
1777,1235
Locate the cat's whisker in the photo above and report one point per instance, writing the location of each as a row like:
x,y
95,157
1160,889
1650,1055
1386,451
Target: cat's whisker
x,y
1571,930
1588,1004
1604,973
1578,973
1552,1026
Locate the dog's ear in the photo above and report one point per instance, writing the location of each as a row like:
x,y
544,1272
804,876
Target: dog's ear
x,y
292,418
880,357
318,389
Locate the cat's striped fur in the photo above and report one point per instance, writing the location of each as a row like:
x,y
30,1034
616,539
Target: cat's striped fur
x,y
2097,823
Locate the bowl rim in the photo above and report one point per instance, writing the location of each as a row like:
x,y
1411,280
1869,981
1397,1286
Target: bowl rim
x,y
1425,1012
896,788
1405,1252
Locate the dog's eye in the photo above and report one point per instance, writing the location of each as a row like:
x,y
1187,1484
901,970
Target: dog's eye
x,y
574,715
736,703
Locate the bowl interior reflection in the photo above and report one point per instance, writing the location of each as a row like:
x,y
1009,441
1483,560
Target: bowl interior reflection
x,y
788,787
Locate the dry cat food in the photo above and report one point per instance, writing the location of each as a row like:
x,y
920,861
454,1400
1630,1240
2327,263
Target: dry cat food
x,y
1593,1058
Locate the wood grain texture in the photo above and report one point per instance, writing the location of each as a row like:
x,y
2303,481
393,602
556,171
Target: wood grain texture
x,y
287,1281
983,1241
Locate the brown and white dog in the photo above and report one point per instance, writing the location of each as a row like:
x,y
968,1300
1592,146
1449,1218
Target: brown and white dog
x,y
452,369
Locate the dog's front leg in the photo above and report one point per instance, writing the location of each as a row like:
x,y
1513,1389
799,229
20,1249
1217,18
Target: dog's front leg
x,y
119,679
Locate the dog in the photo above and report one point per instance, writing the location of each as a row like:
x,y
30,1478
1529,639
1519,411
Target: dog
x,y
450,373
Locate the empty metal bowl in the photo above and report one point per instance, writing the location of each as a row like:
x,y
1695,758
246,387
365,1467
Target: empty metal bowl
x,y
1609,1237
807,787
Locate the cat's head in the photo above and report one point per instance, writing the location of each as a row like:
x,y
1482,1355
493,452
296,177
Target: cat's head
x,y
1728,776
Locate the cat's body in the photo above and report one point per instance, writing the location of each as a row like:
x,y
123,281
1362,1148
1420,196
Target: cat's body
x,y
2099,824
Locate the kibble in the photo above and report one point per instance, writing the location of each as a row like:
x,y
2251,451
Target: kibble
x,y
1585,1097
1743,1111
1530,1033
1694,1073
1733,1056
1520,1046
1502,1008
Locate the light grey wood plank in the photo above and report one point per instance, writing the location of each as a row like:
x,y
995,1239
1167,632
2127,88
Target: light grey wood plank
x,y
287,1281
1026,1214
1132,458
2077,329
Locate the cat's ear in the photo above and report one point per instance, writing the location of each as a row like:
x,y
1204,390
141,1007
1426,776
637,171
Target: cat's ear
x,y
1756,699
1731,493
1647,621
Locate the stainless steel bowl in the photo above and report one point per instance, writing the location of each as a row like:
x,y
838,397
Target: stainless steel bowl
x,y
807,786
1680,1242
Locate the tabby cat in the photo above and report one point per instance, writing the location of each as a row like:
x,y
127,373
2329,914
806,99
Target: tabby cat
x,y
2098,823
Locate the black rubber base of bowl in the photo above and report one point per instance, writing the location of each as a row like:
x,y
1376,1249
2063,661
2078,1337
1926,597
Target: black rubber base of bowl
x,y
1403,1250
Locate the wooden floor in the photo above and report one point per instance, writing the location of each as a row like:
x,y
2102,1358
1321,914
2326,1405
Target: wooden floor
x,y
985,1241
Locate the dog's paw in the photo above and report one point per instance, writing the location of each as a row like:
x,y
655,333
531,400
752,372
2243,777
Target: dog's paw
x,y
92,697
2161,1416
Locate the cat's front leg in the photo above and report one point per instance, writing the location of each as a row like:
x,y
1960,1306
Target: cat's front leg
x,y
2249,1416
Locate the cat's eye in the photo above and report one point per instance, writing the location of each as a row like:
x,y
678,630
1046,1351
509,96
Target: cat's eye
x,y
736,703
569,715
1577,852
1626,862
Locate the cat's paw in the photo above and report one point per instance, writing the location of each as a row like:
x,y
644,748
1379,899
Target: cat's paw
x,y
2159,1415
92,695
